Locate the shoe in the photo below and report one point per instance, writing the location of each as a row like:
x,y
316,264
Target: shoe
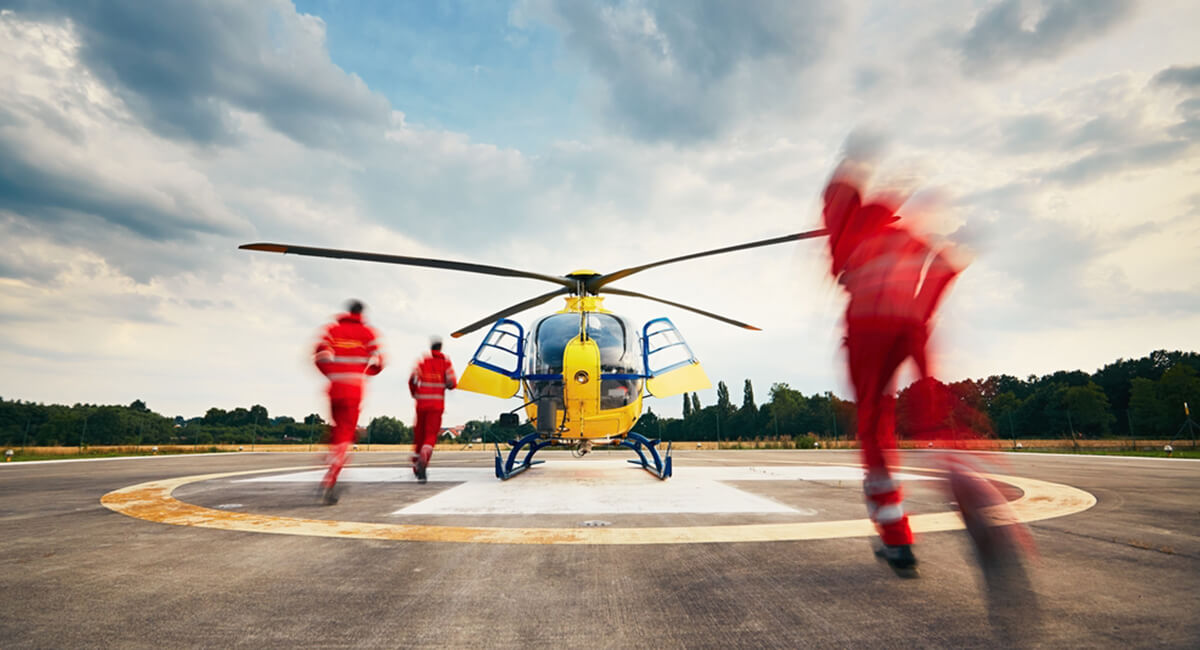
x,y
899,558
329,495
419,470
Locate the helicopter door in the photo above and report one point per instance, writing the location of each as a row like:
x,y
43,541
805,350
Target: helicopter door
x,y
496,367
671,368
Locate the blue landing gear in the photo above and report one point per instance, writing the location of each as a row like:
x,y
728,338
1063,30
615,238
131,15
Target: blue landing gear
x,y
509,467
506,469
661,466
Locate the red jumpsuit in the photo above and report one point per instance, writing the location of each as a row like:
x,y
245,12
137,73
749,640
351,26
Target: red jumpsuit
x,y
428,384
346,354
895,282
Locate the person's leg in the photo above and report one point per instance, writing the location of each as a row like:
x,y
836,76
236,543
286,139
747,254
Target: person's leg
x,y
433,424
345,420
874,353
418,441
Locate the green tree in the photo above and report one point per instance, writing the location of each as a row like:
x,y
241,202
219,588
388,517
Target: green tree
x,y
215,415
687,405
258,413
649,425
1146,409
1179,385
387,430
748,396
744,422
1090,413
695,403
724,405
1001,410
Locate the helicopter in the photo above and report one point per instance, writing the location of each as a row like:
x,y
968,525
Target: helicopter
x,y
584,369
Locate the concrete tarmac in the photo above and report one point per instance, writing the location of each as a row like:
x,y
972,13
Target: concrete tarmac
x,y
75,573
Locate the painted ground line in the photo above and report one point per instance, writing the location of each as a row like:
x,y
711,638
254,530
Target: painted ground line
x,y
152,501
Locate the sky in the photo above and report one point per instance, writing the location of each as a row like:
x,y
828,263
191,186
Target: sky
x,y
1052,144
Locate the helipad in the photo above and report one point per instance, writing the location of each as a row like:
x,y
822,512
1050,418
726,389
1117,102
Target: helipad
x,y
597,487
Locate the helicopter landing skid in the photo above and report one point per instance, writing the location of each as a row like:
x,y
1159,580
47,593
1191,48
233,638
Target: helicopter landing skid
x,y
661,466
508,468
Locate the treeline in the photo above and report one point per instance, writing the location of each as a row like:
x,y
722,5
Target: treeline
x,y
1134,398
29,424
1129,398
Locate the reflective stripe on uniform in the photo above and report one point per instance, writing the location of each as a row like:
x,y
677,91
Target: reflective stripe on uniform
x,y
351,359
890,513
880,485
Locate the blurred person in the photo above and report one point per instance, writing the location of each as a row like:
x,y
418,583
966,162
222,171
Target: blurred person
x,y
347,352
896,280
428,383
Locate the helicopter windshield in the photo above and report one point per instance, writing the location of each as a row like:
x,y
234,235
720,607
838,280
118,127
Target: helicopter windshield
x,y
618,355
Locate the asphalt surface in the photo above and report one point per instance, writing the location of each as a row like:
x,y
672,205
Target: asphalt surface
x,y
73,573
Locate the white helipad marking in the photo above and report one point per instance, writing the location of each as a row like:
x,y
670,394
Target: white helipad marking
x,y
382,475
594,487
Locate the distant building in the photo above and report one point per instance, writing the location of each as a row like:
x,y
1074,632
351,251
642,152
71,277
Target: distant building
x,y
452,432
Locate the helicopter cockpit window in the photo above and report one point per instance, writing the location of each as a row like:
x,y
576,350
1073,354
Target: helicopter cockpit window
x,y
618,355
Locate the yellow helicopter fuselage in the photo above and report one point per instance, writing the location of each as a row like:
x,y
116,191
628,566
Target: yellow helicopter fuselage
x,y
582,416
582,371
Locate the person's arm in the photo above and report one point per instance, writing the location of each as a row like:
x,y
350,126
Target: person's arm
x,y
323,355
375,364
933,288
451,379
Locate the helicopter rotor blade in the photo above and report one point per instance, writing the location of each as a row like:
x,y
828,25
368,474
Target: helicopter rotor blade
x,y
509,311
594,284
723,319
485,269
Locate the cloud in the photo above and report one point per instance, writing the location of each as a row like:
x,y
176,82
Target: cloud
x,y
1010,34
681,72
77,169
1098,130
1105,163
182,67
1187,77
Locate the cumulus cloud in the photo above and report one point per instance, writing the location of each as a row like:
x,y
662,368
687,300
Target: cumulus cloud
x,y
1101,129
1013,33
681,72
183,66
78,168
1184,76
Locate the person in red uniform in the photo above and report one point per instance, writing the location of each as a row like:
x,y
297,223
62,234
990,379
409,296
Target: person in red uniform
x,y
428,383
346,353
895,281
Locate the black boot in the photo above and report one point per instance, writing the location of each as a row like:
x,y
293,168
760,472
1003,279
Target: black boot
x,y
899,558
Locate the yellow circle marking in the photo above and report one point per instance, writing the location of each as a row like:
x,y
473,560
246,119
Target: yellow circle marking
x,y
152,501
